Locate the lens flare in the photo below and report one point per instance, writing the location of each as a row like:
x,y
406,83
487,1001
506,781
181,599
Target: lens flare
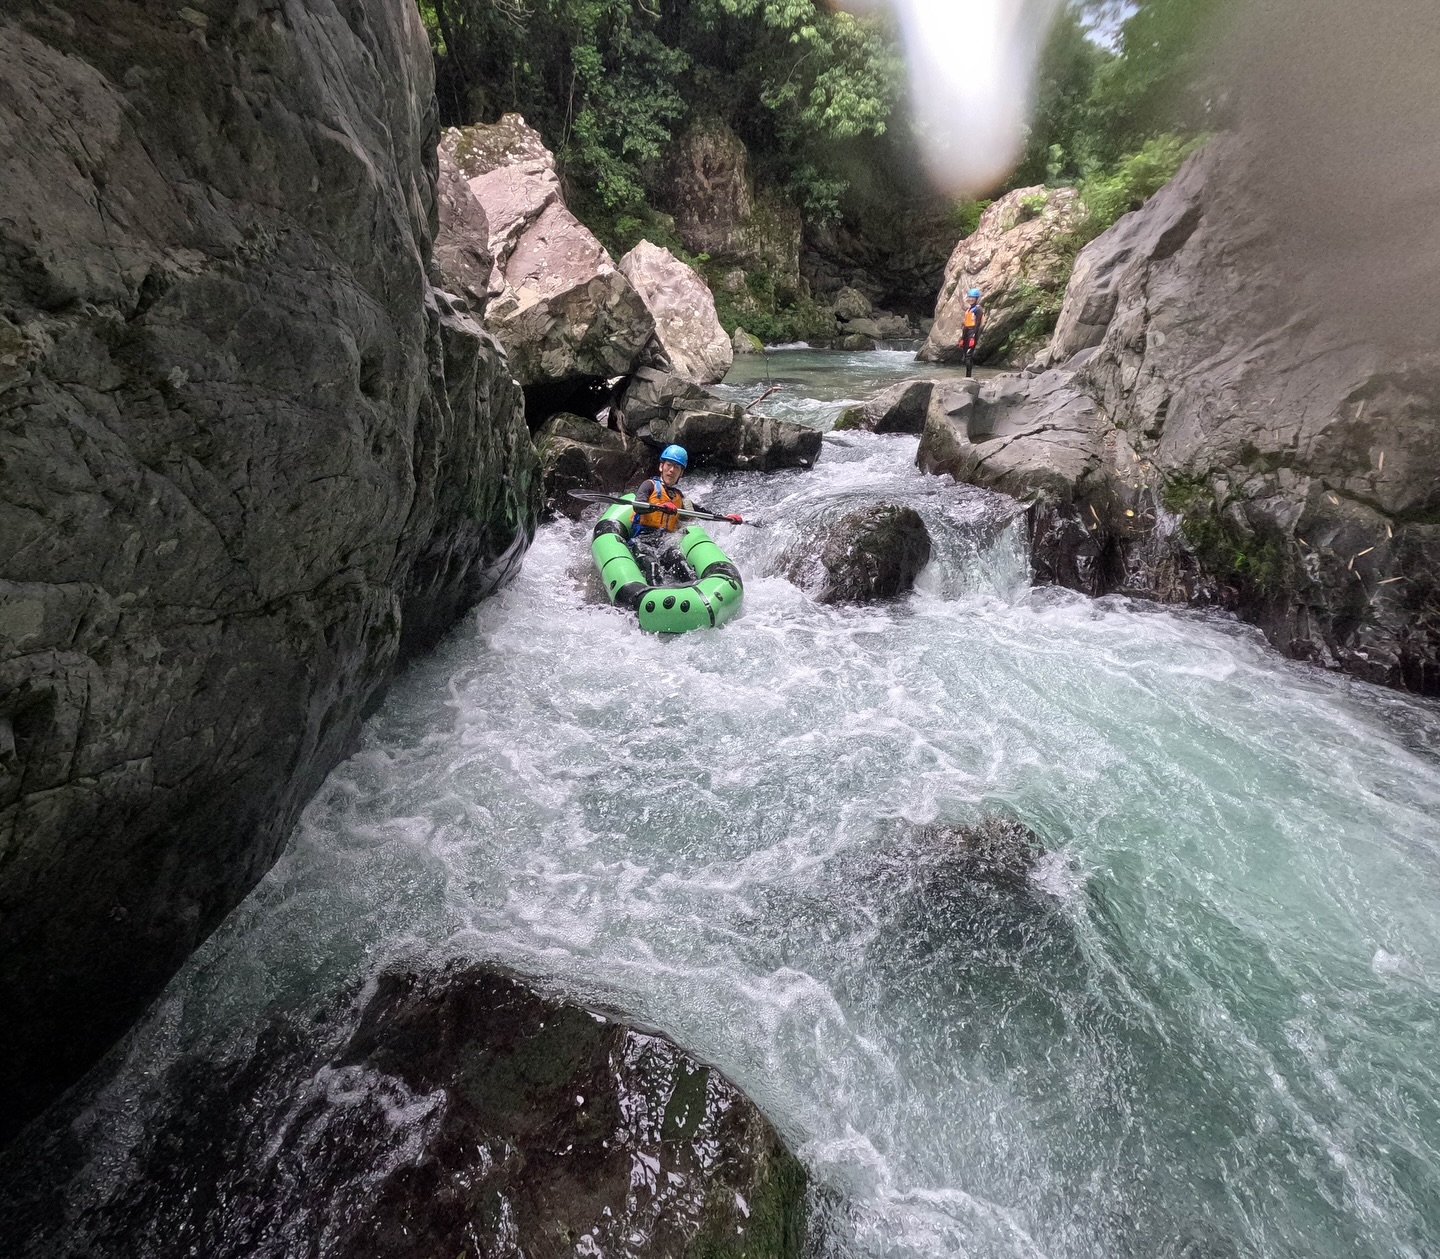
x,y
972,79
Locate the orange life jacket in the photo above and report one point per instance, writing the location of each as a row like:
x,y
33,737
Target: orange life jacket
x,y
660,519
970,313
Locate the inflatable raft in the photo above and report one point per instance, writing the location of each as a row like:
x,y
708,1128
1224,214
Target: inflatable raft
x,y
711,599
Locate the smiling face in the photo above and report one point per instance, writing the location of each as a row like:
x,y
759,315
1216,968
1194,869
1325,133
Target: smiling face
x,y
670,472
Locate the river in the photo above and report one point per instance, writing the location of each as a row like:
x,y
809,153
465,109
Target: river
x,y
1208,1027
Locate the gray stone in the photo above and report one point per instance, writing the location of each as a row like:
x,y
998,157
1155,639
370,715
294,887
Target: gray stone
x,y
251,462
663,408
718,213
579,454
743,343
873,553
559,305
901,408
1218,436
683,308
851,304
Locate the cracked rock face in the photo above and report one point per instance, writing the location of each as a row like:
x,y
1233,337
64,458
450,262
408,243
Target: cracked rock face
x,y
1216,434
457,1112
249,460
686,324
558,304
1015,254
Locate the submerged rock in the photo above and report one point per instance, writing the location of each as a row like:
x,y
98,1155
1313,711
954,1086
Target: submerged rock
x,y
996,850
684,311
869,554
251,461
1016,257
579,454
662,408
458,1113
559,305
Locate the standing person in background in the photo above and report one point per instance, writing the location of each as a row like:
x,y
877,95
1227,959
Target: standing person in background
x,y
971,323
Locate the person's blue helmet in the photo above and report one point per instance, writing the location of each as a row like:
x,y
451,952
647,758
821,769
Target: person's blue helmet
x,y
675,454
973,293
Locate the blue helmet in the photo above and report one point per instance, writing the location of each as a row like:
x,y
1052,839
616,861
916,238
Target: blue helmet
x,y
675,454
973,293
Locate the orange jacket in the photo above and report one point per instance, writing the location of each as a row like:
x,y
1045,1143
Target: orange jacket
x,y
661,493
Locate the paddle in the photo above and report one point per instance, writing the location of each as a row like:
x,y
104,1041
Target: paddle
x,y
594,496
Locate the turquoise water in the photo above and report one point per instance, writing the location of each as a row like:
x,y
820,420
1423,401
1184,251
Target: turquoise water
x,y
1206,1028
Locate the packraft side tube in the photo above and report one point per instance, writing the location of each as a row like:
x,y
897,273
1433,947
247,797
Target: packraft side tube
x,y
711,599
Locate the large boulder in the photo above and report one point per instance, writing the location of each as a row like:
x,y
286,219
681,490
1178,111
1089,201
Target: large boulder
x,y
717,212
251,462
579,454
661,408
683,308
559,305
901,408
874,552
1216,432
454,1112
1019,258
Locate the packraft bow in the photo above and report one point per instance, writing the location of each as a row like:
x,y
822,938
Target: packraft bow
x,y
711,599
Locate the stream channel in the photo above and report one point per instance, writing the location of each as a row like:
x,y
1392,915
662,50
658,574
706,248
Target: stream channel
x,y
1208,1027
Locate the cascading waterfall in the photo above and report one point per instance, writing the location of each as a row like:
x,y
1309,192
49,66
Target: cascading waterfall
x,y
1207,1027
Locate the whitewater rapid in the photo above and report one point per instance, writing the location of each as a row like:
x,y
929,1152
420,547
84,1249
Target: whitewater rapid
x,y
1207,1028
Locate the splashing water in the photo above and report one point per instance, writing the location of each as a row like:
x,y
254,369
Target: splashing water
x,y
1208,1027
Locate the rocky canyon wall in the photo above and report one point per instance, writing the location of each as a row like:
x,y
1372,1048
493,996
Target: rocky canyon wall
x,y
249,461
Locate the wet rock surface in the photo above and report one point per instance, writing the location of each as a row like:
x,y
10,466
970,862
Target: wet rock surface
x,y
251,461
1014,256
660,408
873,553
683,307
1213,434
559,305
457,1113
579,454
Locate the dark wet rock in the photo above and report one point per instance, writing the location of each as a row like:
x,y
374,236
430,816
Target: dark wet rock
x,y
457,1113
579,454
899,409
997,850
854,341
251,461
661,407
869,554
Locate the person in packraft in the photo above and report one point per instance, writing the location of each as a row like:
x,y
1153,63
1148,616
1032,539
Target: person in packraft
x,y
970,324
655,533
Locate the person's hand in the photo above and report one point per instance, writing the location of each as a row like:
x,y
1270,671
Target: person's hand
x,y
668,508
734,519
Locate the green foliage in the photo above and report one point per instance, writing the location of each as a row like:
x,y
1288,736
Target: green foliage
x,y
965,216
1132,180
